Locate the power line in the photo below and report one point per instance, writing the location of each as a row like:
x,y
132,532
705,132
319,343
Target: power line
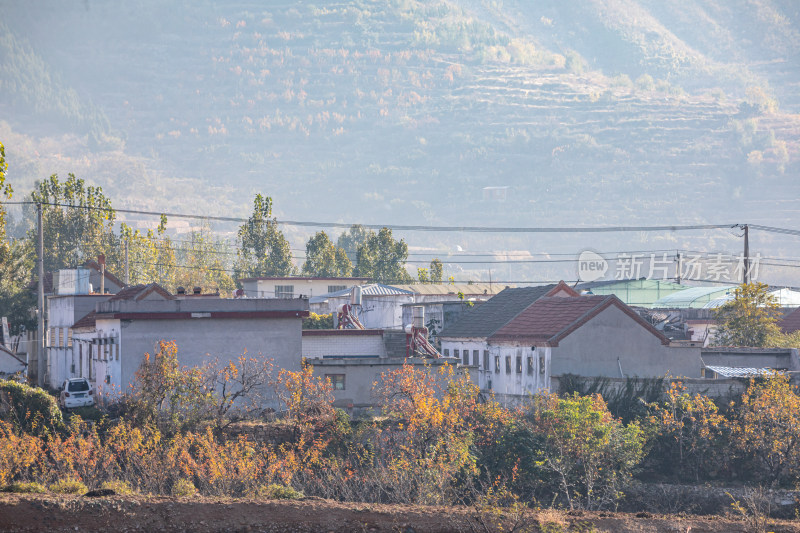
x,y
403,227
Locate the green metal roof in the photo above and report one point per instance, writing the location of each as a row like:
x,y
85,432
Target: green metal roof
x,y
638,292
693,297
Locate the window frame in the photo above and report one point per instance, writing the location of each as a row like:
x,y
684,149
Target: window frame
x,y
284,291
336,380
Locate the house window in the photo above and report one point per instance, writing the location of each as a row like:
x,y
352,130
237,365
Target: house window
x,y
508,364
456,353
52,340
496,364
447,352
530,365
337,381
466,357
336,288
284,291
519,364
476,354
486,359
541,364
69,337
61,337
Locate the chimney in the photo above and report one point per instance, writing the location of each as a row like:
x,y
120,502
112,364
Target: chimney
x,y
197,290
101,260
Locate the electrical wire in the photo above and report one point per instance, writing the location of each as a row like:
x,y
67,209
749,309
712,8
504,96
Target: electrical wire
x,y
403,227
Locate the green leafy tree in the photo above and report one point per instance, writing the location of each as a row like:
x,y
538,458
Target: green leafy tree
x,y
80,228
5,192
151,257
750,319
16,266
16,301
382,258
203,264
325,259
262,248
436,271
422,275
350,240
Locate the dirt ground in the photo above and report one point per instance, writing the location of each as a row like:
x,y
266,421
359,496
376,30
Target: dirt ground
x,y
26,512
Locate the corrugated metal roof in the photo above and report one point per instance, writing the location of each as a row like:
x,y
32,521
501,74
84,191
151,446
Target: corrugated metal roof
x,y
732,372
467,289
783,297
693,297
375,289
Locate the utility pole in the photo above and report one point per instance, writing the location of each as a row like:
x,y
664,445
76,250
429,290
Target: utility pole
x,y
127,279
679,270
746,271
42,359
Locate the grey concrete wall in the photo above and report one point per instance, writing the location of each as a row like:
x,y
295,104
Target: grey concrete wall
x,y
361,375
779,358
202,340
338,343
593,350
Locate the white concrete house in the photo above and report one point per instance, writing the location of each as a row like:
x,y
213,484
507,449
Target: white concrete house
x,y
468,338
592,336
115,337
296,286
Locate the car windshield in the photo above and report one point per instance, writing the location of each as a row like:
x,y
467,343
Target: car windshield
x,y
78,386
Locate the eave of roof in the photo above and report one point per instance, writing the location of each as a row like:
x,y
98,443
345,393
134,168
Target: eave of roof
x,y
602,303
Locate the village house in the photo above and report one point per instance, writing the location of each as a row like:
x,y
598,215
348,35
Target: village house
x,y
119,332
381,305
591,336
69,295
467,338
11,364
297,286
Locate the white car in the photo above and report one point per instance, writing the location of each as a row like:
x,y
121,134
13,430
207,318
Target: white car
x,y
76,392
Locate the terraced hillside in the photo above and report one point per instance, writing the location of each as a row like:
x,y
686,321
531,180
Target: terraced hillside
x,y
629,111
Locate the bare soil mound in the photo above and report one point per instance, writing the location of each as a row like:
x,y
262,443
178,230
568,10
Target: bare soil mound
x,y
22,512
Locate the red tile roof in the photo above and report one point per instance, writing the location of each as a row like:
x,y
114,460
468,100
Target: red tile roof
x,y
134,292
139,292
89,321
550,319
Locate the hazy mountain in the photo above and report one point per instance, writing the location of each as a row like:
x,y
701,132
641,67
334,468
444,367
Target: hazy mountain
x,y
399,111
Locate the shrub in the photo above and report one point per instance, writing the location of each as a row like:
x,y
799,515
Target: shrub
x,y
119,487
184,487
690,434
280,492
574,62
767,429
69,486
315,321
587,453
30,410
25,488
